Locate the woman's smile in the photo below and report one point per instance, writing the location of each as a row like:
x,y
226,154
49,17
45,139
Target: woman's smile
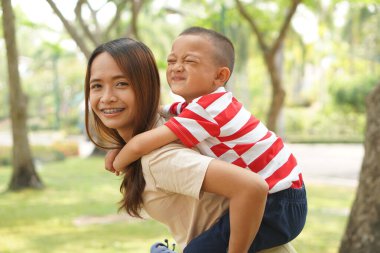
x,y
111,111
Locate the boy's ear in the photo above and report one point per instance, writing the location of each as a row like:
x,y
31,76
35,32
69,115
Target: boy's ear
x,y
222,76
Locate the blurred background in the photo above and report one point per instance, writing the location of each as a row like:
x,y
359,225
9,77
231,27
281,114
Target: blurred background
x,y
303,67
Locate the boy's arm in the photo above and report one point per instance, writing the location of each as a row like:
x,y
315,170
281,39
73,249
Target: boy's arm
x,y
247,192
143,144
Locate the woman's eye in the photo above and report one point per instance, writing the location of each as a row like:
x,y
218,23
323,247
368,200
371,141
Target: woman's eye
x,y
121,84
95,86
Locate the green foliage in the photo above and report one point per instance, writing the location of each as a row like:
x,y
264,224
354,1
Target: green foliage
x,y
323,125
349,94
52,67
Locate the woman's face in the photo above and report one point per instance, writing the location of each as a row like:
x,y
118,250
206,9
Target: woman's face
x,y
111,95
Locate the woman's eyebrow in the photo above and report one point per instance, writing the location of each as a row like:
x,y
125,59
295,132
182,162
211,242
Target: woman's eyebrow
x,y
113,78
119,77
94,80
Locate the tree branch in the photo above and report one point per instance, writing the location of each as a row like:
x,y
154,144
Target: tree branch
x,y
136,7
253,25
78,13
119,10
71,30
285,26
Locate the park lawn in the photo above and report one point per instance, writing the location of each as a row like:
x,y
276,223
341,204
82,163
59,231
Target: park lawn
x,y
44,221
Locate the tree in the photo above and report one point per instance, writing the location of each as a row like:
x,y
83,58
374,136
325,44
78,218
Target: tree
x,y
272,55
24,174
363,229
87,38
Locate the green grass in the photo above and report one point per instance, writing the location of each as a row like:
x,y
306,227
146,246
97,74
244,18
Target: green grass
x,y
329,208
42,221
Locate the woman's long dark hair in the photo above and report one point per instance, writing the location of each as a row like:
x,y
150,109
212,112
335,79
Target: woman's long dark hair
x,y
137,62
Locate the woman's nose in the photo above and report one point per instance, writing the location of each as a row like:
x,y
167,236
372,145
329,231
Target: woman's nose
x,y
108,96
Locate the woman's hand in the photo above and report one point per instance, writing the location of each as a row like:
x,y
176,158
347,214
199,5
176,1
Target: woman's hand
x,y
108,161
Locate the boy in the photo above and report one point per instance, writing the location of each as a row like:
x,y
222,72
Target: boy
x,y
199,65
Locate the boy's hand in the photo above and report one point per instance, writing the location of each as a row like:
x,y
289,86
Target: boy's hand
x,y
108,161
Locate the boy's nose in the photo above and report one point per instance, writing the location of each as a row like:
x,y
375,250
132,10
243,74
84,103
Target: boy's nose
x,y
178,66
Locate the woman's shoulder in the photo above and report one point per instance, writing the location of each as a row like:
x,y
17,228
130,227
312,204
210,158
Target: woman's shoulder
x,y
176,169
174,155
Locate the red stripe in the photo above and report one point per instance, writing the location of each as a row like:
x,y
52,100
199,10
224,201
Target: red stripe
x,y
282,172
239,162
211,128
173,108
242,148
298,184
230,112
248,127
183,106
208,99
182,133
220,149
260,162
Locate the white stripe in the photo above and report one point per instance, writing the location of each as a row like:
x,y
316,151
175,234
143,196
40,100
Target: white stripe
x,y
258,149
179,105
204,148
194,128
236,123
219,105
253,136
280,159
199,110
230,156
287,181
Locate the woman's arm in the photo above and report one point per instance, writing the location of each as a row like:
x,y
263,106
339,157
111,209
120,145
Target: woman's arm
x,y
247,193
143,144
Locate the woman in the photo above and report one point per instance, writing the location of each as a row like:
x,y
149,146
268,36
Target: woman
x,y
174,185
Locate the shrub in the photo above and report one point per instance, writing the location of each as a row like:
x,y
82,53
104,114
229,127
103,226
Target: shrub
x,y
349,94
5,156
68,148
39,152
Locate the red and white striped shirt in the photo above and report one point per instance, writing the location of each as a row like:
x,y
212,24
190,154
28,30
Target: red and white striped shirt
x,y
219,126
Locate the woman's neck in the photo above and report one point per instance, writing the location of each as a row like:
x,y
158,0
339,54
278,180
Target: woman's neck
x,y
126,134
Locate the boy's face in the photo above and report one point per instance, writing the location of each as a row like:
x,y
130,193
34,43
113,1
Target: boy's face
x,y
192,71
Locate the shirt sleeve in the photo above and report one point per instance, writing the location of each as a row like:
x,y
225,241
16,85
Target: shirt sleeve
x,y
193,125
177,169
177,107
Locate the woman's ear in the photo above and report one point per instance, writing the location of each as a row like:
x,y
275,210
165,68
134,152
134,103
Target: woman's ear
x,y
222,76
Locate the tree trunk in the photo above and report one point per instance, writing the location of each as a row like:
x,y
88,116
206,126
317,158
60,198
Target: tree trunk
x,y
270,53
274,64
24,174
363,229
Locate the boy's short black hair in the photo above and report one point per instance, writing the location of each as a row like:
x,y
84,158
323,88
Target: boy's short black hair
x,y
225,52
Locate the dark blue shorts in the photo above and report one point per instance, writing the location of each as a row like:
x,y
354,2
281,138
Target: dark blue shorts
x,y
284,218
